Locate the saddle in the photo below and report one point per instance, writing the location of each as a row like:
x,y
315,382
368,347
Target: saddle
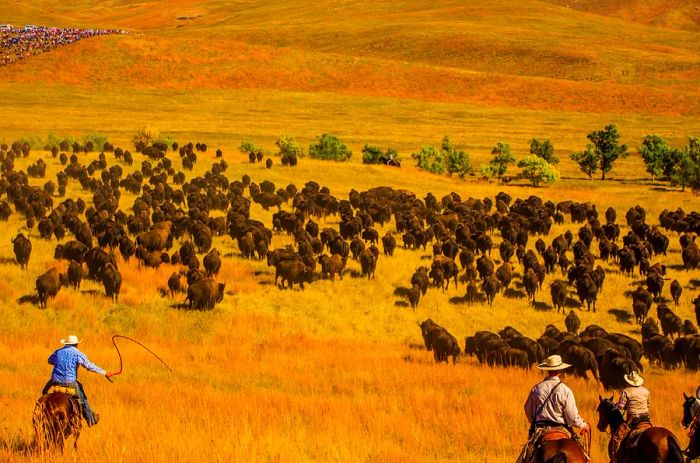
x,y
68,390
554,434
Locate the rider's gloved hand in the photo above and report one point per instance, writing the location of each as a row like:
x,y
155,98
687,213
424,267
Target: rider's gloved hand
x,y
586,429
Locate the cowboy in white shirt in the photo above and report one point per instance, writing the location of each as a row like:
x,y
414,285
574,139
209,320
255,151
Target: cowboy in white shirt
x,y
635,401
551,403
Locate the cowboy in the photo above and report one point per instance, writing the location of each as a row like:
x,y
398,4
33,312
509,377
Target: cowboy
x,y
634,400
66,361
551,403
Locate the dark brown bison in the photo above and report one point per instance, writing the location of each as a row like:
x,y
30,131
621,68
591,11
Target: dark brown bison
x,y
331,266
294,272
74,274
572,322
676,291
112,281
420,279
23,249
559,291
205,294
212,262
47,286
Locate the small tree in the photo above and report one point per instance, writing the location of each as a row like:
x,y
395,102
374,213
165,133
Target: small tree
x,y
430,159
142,138
248,148
587,160
544,150
288,147
498,165
607,147
537,170
655,153
329,147
687,172
372,154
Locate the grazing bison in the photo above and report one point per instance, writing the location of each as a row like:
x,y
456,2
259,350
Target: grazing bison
x,y
572,322
368,263
582,360
504,273
440,341
47,286
613,367
491,286
414,296
559,293
23,249
420,279
531,283
72,250
112,281
174,284
212,262
389,244
332,265
676,291
204,294
294,272
74,274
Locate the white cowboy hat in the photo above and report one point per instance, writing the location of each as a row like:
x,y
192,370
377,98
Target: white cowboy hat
x,y
71,341
634,379
553,363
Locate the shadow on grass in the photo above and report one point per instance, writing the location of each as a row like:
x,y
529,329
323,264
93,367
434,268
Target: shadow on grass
x,y
28,299
571,303
512,293
541,306
8,261
694,284
402,304
621,315
401,291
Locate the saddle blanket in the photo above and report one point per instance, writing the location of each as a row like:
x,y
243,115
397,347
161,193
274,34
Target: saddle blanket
x,y
636,433
64,389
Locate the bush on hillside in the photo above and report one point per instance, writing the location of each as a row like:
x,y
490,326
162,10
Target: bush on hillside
x,y
537,170
330,148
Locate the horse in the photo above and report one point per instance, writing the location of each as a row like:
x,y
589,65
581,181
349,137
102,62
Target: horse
x,y
57,417
564,450
654,445
691,418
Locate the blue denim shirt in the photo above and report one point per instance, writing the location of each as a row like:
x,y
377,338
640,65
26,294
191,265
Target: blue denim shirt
x,y
65,363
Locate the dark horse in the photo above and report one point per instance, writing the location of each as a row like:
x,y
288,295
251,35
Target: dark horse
x,y
655,445
691,418
56,417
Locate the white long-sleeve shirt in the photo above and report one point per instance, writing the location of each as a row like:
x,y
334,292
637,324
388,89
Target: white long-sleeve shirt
x,y
560,407
635,401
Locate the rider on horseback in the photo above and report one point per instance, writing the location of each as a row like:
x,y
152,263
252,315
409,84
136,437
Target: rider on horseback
x,y
635,401
66,361
551,403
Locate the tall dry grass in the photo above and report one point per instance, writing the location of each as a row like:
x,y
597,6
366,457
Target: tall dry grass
x,y
328,373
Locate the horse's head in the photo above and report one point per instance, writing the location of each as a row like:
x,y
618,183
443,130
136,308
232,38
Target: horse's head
x,y
606,412
691,408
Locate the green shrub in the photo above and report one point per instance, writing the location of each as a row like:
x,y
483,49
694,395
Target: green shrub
x,y
537,170
329,147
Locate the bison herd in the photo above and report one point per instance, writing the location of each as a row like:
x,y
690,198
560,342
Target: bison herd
x,y
483,248
606,356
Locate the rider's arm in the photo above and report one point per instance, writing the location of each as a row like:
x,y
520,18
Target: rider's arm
x,y
88,365
529,407
571,411
622,403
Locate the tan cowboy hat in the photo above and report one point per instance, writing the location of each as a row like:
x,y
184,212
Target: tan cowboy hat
x,y
634,379
553,363
71,341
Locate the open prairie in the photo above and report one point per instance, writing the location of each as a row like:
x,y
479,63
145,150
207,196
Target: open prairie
x,y
337,371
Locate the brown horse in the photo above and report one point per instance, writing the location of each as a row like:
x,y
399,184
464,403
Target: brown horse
x,y
655,445
56,418
560,451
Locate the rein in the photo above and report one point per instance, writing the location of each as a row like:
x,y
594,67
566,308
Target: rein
x,y
121,361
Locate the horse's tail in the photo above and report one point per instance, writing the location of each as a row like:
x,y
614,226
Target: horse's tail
x,y
675,454
558,458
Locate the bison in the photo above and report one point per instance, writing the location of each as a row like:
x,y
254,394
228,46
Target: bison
x,y
23,249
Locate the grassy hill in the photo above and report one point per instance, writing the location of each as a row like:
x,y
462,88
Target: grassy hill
x,y
332,373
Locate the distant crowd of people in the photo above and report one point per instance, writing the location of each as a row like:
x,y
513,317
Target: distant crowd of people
x,y
17,43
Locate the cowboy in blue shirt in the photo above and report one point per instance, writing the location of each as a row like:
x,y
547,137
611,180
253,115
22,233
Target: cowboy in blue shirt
x,y
66,361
